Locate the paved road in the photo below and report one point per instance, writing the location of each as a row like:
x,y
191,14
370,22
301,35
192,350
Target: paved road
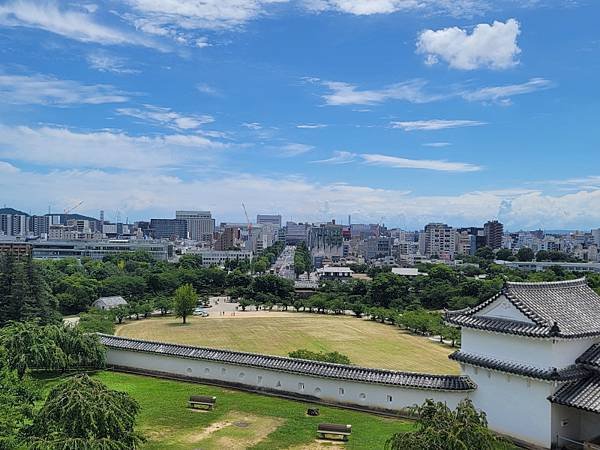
x,y
284,266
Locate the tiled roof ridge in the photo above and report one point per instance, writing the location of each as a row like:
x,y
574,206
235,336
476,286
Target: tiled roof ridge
x,y
449,382
517,303
546,284
569,373
582,394
591,357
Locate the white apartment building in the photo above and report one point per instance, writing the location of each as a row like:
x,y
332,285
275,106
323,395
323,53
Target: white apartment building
x,y
219,257
440,240
200,224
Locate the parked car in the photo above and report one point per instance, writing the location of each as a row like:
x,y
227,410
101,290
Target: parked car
x,y
200,312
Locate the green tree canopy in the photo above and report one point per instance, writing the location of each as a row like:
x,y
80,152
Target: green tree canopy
x,y
185,301
28,346
82,413
331,357
525,254
440,428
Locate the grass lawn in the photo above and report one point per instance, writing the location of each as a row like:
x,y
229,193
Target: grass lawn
x,y
240,420
366,343
272,423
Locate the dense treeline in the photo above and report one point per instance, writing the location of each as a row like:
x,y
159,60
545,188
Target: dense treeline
x,y
24,293
37,289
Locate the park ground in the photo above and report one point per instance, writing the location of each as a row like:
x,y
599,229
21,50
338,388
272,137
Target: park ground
x,y
241,420
365,342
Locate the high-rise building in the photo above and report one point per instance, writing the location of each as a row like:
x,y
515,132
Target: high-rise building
x,y
269,219
493,231
169,228
200,224
295,233
228,239
439,240
325,241
13,222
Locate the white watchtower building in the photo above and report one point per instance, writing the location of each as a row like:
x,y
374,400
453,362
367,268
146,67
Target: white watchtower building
x,y
533,351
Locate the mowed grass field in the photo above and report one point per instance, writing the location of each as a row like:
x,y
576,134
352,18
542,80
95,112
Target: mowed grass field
x,y
240,420
366,343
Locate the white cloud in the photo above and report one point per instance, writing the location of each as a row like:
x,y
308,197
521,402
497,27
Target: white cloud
x,y
61,147
180,17
437,144
413,91
166,117
348,94
71,23
7,168
252,126
502,94
405,163
339,157
105,62
294,149
207,89
493,46
44,90
311,126
369,7
435,124
144,193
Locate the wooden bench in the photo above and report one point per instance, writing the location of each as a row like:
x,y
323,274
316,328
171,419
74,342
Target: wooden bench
x,y
334,429
202,401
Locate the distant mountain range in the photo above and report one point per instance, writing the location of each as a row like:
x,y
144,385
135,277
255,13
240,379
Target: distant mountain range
x,y
12,211
65,217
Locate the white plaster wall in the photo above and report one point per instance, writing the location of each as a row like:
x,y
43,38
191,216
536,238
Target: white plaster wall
x,y
506,347
590,425
515,406
566,423
327,389
566,351
502,308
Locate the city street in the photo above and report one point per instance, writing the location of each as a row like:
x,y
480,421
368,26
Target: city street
x,y
284,266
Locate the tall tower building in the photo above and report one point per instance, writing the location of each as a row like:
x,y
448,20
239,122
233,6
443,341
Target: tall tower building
x,y
200,224
493,231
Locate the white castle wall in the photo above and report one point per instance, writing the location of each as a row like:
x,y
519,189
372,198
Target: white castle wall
x,y
515,406
345,392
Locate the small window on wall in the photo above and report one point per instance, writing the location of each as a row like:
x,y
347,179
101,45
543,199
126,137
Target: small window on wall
x,y
242,375
341,391
206,370
259,379
317,391
300,386
278,384
188,370
362,396
389,398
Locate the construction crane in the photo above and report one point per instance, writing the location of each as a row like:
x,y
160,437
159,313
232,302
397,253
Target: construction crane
x,y
72,208
247,219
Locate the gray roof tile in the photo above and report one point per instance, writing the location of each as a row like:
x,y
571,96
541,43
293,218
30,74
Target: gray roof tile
x,y
583,394
570,373
591,357
568,309
299,366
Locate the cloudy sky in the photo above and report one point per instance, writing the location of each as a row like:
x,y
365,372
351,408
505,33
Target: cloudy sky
x,y
394,111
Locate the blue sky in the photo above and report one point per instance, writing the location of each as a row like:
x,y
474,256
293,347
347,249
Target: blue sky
x,y
395,111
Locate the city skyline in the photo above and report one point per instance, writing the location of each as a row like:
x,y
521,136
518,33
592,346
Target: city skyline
x,y
394,112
